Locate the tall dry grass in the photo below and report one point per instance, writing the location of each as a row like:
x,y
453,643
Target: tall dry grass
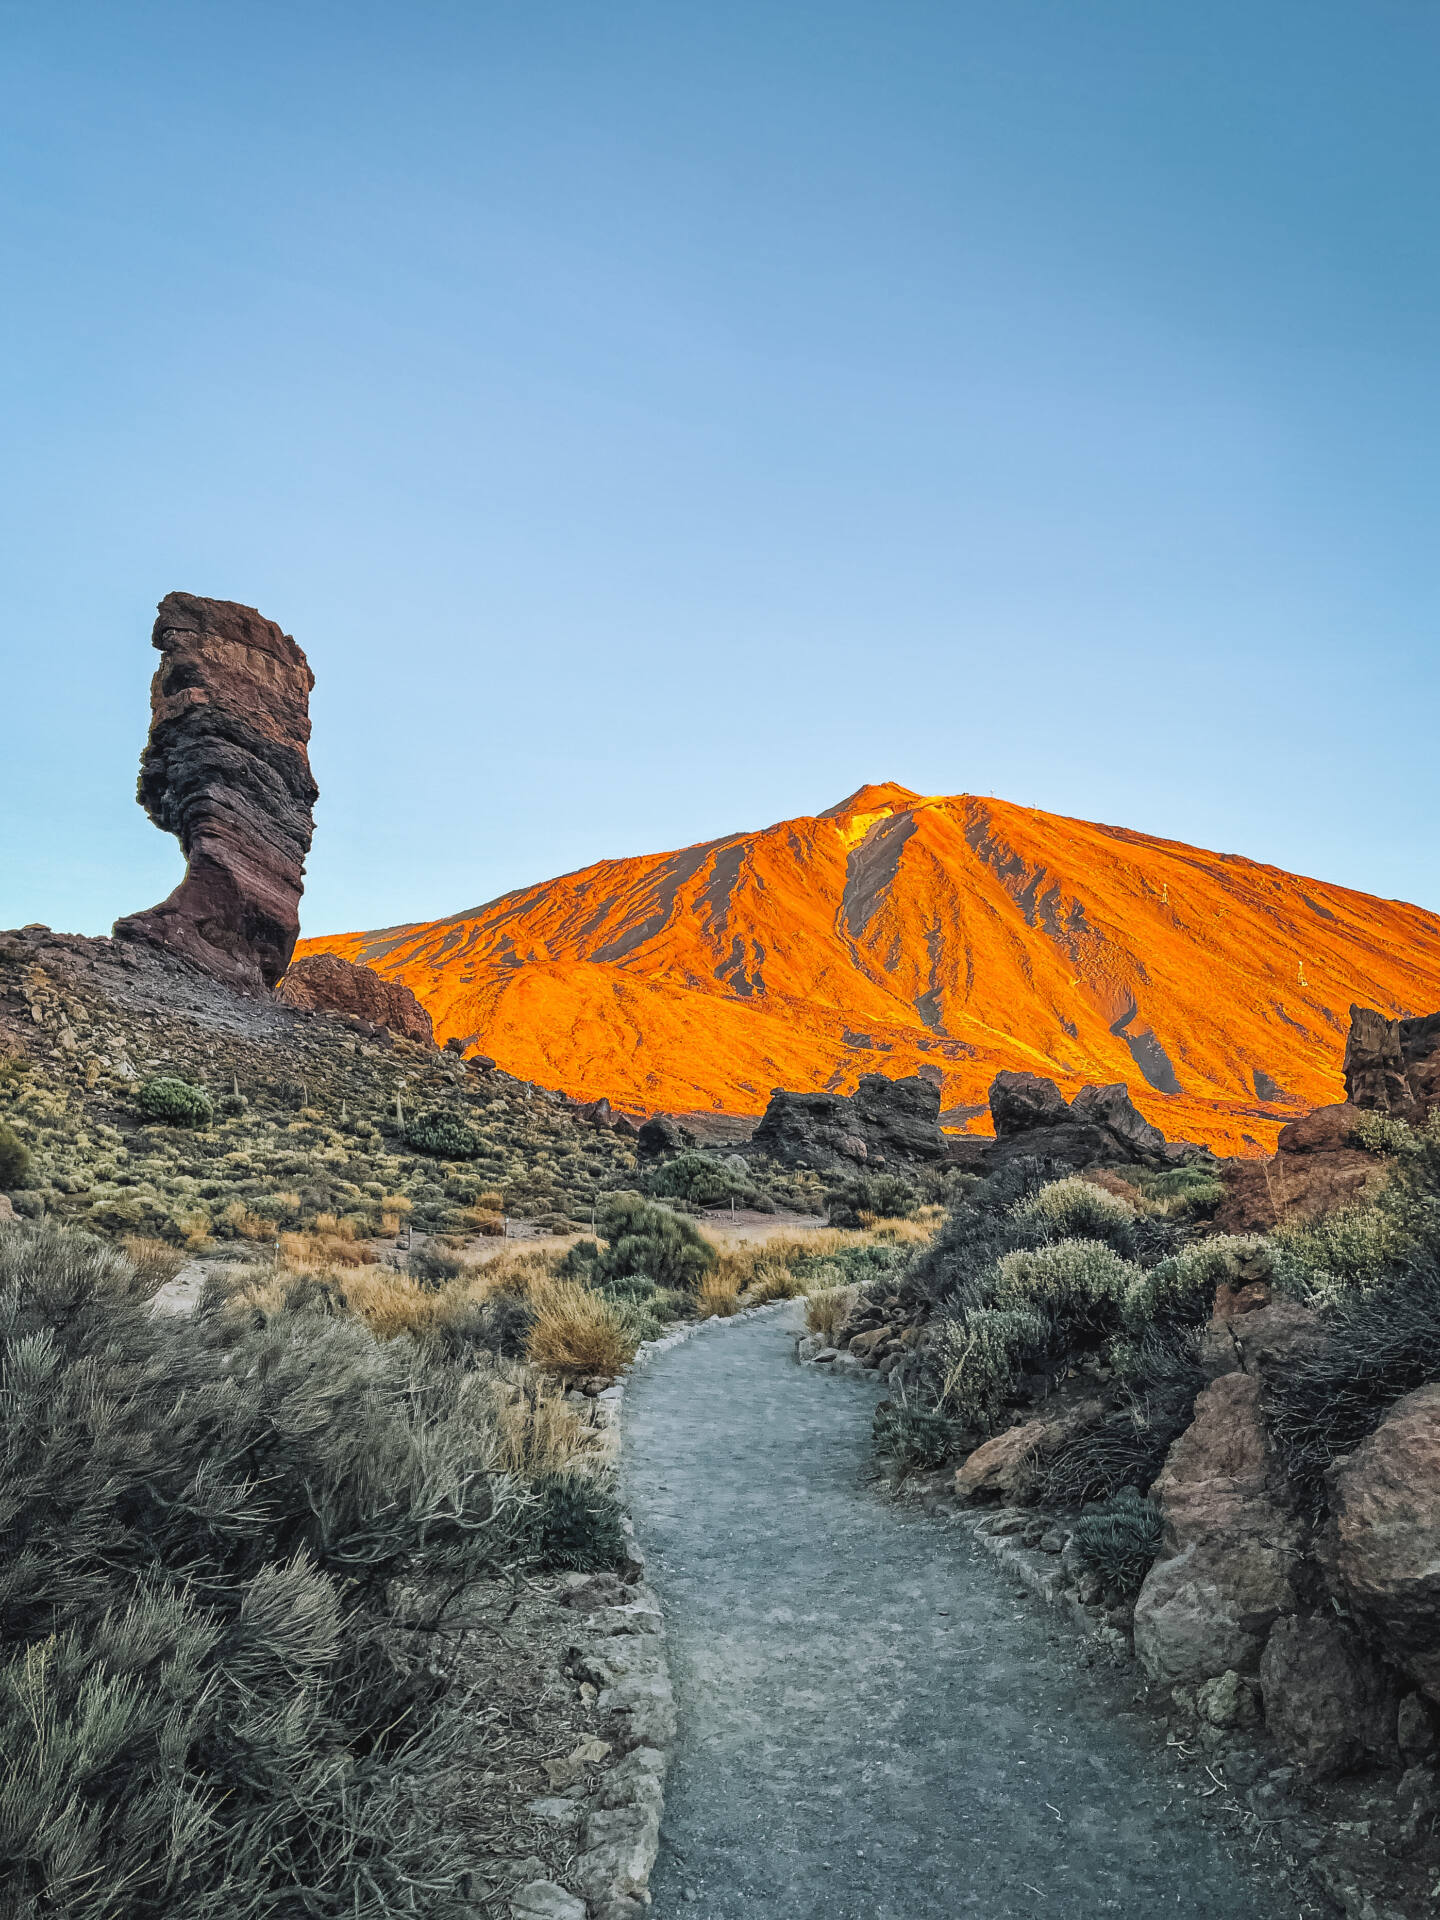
x,y
576,1331
156,1261
827,1309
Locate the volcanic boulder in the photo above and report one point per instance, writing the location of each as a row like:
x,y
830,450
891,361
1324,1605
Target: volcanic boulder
x,y
324,983
1033,1118
1318,1165
883,1123
226,771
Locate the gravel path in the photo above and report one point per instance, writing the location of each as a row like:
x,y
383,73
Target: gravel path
x,y
872,1726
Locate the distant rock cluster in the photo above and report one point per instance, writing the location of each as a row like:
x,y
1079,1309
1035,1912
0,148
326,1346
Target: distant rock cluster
x,y
324,983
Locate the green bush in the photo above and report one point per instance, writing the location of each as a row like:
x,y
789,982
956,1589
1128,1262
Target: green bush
x,y
884,1196
214,1533
443,1135
174,1103
1078,1285
1120,1541
915,1438
1076,1209
1159,1378
703,1179
14,1159
579,1525
1180,1290
983,1354
645,1239
432,1266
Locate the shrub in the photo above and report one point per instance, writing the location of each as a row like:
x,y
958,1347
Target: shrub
x,y
1075,1208
1159,1379
174,1103
576,1331
14,1159
703,1179
642,1238
205,1699
1120,1541
874,1196
443,1135
432,1266
982,1354
1180,1290
580,1526
773,1281
915,1438
497,1323
1078,1285
1382,1343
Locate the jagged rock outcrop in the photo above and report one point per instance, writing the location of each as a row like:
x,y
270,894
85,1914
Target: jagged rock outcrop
x,y
1033,1118
227,772
884,1123
324,983
1393,1066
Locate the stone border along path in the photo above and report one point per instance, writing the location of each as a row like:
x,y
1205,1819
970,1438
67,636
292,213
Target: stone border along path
x,y
871,1726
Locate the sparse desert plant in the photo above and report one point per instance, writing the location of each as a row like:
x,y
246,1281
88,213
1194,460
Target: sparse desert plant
x,y
916,1438
982,1354
155,1261
389,1303
576,1331
14,1159
1120,1540
580,1525
773,1281
432,1266
1078,1285
174,1102
444,1135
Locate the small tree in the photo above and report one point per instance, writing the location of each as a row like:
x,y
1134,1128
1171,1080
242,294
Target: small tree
x,y
14,1159
174,1102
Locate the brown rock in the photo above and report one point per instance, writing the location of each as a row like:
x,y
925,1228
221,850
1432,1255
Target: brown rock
x,y
324,983
864,1344
1328,1701
1006,1464
226,770
1224,1576
1382,1550
1374,1066
1316,1167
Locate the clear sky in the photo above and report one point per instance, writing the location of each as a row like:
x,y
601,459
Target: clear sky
x,y
657,418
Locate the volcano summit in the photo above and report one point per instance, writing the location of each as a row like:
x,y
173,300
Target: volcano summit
x,y
907,933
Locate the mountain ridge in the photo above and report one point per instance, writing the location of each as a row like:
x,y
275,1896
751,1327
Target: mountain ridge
x,y
950,933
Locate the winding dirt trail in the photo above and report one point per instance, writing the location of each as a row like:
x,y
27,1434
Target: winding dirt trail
x,y
872,1727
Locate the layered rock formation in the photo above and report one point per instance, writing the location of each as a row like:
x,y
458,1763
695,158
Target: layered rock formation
x,y
1393,1066
324,983
901,932
227,772
886,1123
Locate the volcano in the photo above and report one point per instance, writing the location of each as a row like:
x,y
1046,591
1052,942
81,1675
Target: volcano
x,y
904,933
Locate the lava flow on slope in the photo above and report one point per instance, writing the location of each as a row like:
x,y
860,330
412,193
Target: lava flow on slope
x,y
900,933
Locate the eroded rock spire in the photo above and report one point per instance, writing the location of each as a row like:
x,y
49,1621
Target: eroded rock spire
x,y
226,771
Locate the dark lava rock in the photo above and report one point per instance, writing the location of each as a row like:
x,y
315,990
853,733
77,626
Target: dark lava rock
x,y
227,772
1021,1102
1033,1119
884,1123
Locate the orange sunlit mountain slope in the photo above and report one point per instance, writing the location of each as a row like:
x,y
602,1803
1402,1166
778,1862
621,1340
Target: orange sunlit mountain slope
x,y
895,932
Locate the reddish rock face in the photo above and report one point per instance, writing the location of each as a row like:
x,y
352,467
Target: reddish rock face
x,y
1316,1167
226,771
324,983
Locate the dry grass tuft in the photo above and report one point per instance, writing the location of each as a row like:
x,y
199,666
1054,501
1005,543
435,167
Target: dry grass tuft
x,y
389,1303
718,1294
331,1244
538,1431
827,1310
156,1261
576,1331
771,1281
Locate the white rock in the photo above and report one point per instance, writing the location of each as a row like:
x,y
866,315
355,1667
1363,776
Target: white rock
x,y
543,1900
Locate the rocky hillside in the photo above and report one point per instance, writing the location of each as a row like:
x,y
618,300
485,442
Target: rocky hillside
x,y
956,937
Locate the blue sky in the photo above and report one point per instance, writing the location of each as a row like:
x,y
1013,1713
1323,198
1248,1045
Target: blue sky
x,y
659,419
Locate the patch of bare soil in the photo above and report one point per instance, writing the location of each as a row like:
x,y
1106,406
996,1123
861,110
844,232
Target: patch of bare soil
x,y
535,1744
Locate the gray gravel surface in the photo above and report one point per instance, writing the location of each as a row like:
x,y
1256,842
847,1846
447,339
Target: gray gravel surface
x,y
873,1726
